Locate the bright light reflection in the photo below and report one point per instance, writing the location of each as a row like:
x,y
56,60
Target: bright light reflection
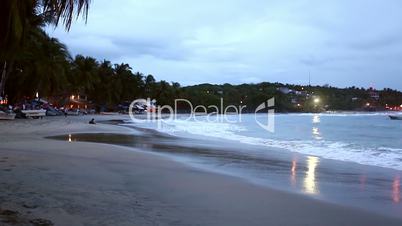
x,y
293,173
310,185
316,133
69,137
396,190
316,119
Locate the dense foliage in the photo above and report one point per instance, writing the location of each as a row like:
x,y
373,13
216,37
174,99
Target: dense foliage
x,y
32,62
20,26
45,66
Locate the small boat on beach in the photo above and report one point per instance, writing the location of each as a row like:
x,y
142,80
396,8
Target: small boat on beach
x,y
395,117
7,116
109,113
34,113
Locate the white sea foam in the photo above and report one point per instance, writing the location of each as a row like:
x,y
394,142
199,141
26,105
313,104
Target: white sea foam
x,y
341,114
383,156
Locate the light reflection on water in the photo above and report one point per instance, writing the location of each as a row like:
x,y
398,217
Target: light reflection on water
x,y
310,183
307,169
293,173
316,119
363,179
316,133
396,189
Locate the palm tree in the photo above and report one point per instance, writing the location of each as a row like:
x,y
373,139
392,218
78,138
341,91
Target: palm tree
x,y
42,65
51,66
149,85
84,74
102,94
132,84
18,17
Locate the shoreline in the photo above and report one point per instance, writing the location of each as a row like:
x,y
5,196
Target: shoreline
x,y
82,183
358,186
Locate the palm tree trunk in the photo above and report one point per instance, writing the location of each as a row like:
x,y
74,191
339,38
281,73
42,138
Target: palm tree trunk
x,y
3,79
7,68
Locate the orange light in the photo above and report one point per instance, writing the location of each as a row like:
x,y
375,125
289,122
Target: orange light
x,y
363,182
396,190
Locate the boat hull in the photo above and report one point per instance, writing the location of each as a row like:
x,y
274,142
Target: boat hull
x,y
7,116
395,117
34,113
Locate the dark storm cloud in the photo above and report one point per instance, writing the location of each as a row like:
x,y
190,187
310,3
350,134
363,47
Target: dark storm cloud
x,y
342,43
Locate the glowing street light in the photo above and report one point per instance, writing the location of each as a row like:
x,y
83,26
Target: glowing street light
x,y
316,100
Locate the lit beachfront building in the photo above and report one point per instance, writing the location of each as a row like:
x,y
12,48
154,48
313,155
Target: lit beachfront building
x,y
374,94
373,101
77,102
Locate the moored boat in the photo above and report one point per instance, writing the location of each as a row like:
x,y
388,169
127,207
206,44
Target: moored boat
x,y
7,116
34,113
109,113
395,117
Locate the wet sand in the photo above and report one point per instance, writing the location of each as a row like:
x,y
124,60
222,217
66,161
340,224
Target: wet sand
x,y
77,183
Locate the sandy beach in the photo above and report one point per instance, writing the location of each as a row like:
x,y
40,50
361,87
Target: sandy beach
x,y
51,182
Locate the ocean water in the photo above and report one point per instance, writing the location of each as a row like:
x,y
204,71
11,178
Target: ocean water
x,y
352,159
364,138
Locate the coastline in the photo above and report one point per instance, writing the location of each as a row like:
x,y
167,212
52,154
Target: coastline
x,y
82,183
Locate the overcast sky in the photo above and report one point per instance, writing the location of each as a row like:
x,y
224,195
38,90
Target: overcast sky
x,y
340,42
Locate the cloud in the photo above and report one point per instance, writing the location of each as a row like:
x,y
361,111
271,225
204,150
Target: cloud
x,y
340,42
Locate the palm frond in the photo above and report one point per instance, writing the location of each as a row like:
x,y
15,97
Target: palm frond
x,y
66,10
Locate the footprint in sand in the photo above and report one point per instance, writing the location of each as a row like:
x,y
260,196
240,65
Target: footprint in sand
x,y
8,216
15,218
8,212
41,222
29,205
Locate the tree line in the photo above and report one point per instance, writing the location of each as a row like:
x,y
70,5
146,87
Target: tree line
x,y
44,65
32,61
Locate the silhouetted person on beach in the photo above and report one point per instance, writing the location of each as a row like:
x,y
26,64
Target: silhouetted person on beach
x,y
92,121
